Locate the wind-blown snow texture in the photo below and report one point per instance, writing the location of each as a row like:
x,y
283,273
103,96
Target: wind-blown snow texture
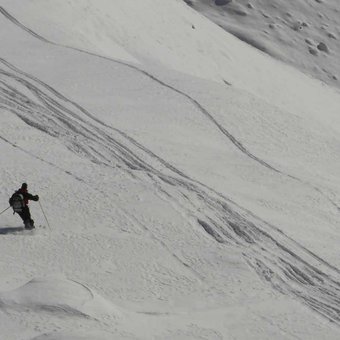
x,y
305,33
190,181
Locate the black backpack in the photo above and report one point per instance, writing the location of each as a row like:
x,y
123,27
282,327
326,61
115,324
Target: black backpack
x,y
17,202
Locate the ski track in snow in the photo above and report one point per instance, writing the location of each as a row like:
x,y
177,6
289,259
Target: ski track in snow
x,y
287,266
205,112
282,262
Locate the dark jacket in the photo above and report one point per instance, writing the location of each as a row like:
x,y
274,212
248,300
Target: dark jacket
x,y
27,196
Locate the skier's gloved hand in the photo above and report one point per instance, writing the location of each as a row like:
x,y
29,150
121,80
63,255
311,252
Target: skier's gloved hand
x,y
36,198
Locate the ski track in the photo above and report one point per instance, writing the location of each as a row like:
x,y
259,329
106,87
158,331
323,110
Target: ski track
x,y
205,112
275,259
278,260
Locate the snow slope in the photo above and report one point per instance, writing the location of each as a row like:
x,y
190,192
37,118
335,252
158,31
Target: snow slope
x,y
302,33
181,206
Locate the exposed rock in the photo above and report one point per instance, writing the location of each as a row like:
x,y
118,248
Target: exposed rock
x,y
323,47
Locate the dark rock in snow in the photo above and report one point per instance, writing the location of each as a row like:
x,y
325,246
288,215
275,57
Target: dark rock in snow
x,y
323,47
222,2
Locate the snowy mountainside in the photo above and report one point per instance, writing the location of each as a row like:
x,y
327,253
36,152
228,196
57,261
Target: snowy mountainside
x,y
181,207
178,38
303,33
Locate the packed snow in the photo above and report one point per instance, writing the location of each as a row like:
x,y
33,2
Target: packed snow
x,y
188,182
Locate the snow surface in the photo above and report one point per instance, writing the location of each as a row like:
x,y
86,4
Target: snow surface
x,y
190,181
303,33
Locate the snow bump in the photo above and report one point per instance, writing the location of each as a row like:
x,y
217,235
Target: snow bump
x,y
61,296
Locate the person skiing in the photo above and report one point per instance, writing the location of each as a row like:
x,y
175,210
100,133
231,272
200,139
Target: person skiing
x,y
19,203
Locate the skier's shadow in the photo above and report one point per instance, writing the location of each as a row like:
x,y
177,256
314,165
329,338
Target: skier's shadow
x,y
10,230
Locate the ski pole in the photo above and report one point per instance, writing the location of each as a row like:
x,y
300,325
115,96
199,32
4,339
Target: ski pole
x,y
45,216
4,210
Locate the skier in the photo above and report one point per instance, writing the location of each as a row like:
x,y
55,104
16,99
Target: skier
x,y
19,203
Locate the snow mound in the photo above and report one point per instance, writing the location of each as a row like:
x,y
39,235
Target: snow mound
x,y
59,296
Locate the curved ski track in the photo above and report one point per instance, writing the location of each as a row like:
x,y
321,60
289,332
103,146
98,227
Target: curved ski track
x,y
287,266
205,112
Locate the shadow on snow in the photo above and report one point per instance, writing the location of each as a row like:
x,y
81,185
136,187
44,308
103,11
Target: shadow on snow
x,y
10,230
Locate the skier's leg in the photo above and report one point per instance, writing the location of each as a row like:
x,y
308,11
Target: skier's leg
x,y
29,223
30,219
29,216
22,215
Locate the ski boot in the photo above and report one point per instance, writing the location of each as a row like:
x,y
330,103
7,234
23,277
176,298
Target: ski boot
x,y
29,224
